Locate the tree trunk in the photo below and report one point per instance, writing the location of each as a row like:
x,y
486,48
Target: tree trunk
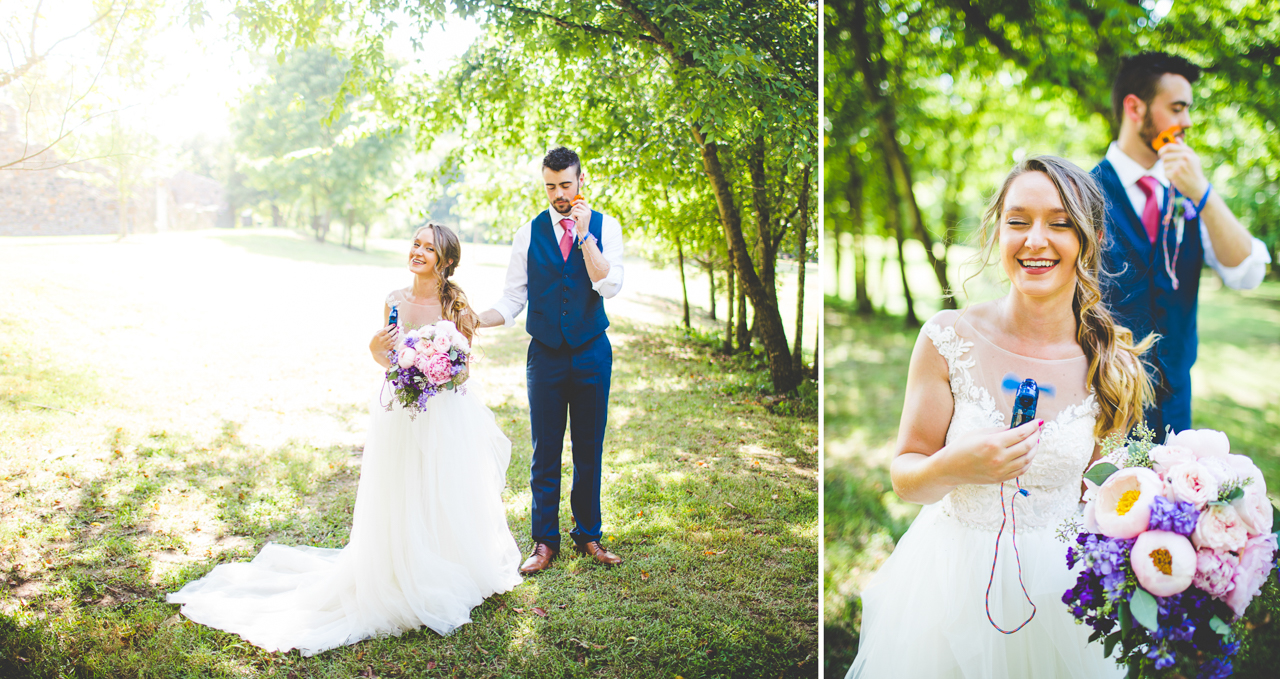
x,y
684,289
277,220
743,331
894,215
711,280
730,287
897,169
797,353
858,230
817,350
903,169
766,245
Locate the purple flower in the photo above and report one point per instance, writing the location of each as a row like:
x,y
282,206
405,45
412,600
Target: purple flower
x,y
1162,655
1217,668
1175,517
1188,209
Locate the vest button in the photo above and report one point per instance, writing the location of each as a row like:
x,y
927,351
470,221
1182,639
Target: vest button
x,y
564,313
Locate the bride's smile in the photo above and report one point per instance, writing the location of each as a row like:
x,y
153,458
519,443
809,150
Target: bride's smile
x,y
1039,245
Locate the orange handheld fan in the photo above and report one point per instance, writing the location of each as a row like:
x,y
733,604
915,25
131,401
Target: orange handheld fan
x,y
1169,136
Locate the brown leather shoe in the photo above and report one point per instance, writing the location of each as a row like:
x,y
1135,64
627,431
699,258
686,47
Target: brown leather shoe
x,y
539,559
595,551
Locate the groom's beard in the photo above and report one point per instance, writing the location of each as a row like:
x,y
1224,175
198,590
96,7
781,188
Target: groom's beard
x,y
562,206
1148,132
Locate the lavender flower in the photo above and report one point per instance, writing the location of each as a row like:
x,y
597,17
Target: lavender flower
x,y
1176,517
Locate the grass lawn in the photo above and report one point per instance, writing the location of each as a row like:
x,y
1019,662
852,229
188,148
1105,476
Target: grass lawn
x,y
117,490
865,369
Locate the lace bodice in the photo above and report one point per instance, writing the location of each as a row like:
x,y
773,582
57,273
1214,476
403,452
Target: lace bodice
x,y
981,374
414,314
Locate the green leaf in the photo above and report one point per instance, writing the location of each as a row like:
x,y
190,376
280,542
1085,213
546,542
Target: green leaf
x,y
1101,472
1145,610
1235,494
1126,622
1275,520
1110,644
1216,624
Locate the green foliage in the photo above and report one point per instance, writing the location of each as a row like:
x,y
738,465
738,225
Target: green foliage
x,y
296,158
976,87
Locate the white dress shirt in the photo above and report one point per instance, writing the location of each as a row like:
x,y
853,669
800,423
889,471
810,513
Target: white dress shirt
x,y
515,294
1244,276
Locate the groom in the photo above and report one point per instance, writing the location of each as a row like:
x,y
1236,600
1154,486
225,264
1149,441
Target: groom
x,y
1155,265
564,264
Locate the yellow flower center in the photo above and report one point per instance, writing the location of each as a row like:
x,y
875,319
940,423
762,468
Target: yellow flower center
x,y
1162,559
1127,500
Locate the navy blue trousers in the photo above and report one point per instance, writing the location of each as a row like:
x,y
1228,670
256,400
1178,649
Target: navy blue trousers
x,y
568,383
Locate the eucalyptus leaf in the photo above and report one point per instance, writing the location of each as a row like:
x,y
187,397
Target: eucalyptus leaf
x,y
1145,610
1110,644
1101,472
1235,494
1217,625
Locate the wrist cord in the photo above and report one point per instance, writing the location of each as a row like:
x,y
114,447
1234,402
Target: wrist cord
x,y
1171,264
1012,514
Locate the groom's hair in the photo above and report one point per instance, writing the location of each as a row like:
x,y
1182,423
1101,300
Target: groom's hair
x,y
560,158
1140,74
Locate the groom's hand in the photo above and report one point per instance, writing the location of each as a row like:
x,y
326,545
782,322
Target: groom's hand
x,y
581,213
1182,167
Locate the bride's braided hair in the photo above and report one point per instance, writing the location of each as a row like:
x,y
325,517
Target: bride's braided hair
x,y
1116,371
453,301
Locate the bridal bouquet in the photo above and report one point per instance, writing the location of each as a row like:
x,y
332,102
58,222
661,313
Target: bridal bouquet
x,y
1177,540
425,362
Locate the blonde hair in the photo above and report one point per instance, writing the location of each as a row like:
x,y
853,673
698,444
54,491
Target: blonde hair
x,y
1116,374
453,301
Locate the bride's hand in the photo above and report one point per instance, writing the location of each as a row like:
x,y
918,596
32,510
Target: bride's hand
x,y
991,457
382,343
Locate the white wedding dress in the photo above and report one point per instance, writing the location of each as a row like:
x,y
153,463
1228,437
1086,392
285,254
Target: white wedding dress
x,y
924,613
429,537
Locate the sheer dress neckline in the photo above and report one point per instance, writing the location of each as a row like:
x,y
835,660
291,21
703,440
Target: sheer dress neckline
x,y
978,334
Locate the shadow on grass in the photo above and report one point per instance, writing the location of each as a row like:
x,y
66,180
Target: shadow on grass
x,y
710,498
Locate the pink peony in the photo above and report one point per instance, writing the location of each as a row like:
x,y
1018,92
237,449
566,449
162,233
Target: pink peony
x,y
1255,566
440,343
1244,468
1220,468
1165,457
438,369
1255,510
1203,442
1163,561
406,357
1220,527
1215,572
1192,482
1123,505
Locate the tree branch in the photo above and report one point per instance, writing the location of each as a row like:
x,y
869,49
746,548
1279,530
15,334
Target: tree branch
x,y
565,23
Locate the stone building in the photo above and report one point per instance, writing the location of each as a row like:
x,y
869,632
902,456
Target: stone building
x,y
47,196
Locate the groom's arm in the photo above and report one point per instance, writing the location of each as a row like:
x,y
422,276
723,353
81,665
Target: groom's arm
x,y
603,259
515,290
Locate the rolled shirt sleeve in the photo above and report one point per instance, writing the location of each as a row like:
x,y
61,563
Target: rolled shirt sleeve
x,y
1246,275
611,248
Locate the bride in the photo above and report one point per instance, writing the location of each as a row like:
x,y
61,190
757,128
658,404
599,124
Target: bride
x,y
927,613
429,537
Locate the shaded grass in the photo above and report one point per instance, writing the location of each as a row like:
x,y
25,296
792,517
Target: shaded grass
x,y
710,495
1235,390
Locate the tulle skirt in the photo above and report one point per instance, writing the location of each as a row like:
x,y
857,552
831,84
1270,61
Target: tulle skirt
x,y
429,542
924,613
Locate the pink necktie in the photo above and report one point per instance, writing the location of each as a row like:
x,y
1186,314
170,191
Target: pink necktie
x,y
566,241
1151,213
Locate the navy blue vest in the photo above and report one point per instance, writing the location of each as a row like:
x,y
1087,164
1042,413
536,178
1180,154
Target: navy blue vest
x,y
562,305
1140,294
